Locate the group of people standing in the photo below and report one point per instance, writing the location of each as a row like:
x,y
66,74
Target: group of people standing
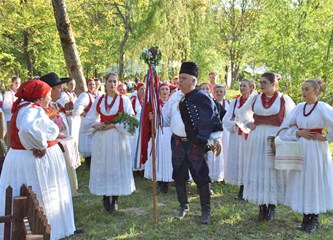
x,y
250,119
205,138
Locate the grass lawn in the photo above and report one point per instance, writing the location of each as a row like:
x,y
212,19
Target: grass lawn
x,y
230,219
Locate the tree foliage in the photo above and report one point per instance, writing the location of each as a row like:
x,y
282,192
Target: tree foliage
x,y
291,37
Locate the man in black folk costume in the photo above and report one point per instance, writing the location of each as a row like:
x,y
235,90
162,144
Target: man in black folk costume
x,y
193,119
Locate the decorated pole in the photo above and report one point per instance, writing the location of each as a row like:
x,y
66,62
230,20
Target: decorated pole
x,y
151,119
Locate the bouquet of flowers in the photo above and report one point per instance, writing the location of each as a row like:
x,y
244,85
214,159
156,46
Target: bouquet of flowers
x,y
151,55
129,122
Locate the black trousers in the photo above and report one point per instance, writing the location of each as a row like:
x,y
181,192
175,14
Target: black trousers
x,y
187,155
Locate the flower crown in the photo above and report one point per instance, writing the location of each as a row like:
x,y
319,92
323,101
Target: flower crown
x,y
151,55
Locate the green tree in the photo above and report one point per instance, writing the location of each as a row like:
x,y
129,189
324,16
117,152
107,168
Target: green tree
x,y
235,20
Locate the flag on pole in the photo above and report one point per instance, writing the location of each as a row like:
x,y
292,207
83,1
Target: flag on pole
x,y
149,125
152,57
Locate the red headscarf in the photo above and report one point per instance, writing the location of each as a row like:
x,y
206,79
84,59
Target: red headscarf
x,y
88,80
31,91
165,84
172,87
140,84
122,85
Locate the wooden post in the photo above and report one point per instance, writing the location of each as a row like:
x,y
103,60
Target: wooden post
x,y
47,234
23,191
8,211
7,134
19,212
153,133
2,128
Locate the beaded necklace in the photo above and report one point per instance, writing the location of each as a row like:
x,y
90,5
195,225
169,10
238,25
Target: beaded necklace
x,y
109,106
267,102
307,114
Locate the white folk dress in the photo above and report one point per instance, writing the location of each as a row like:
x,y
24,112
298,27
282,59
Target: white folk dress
x,y
7,104
74,121
111,164
262,184
134,140
163,157
216,164
83,104
46,175
310,190
235,162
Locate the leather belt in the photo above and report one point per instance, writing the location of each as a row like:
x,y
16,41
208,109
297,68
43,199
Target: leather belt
x,y
183,139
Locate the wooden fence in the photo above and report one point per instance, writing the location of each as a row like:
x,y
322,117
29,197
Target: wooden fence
x,y
27,220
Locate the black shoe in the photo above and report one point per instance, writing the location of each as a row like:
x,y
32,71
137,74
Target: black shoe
x,y
313,224
106,203
239,198
205,217
114,204
270,213
160,186
165,187
240,194
305,222
262,212
88,162
79,230
182,212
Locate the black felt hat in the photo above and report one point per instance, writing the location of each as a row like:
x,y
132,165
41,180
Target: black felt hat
x,y
189,68
52,79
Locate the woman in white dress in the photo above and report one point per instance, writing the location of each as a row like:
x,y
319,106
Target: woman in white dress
x,y
310,191
67,101
8,100
215,163
35,159
111,165
263,114
219,95
163,150
137,99
235,162
81,108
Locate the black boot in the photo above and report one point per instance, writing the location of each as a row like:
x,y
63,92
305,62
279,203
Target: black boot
x,y
106,203
165,187
313,224
270,212
262,212
182,199
88,161
305,222
114,204
240,193
160,186
204,192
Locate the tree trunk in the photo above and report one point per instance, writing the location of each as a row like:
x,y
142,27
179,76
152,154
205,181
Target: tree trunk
x,y
122,57
27,52
68,44
125,20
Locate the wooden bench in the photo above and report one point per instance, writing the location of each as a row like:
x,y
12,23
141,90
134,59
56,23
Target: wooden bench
x,y
27,220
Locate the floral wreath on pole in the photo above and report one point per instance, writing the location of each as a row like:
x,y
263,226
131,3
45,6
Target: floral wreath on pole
x,y
151,55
